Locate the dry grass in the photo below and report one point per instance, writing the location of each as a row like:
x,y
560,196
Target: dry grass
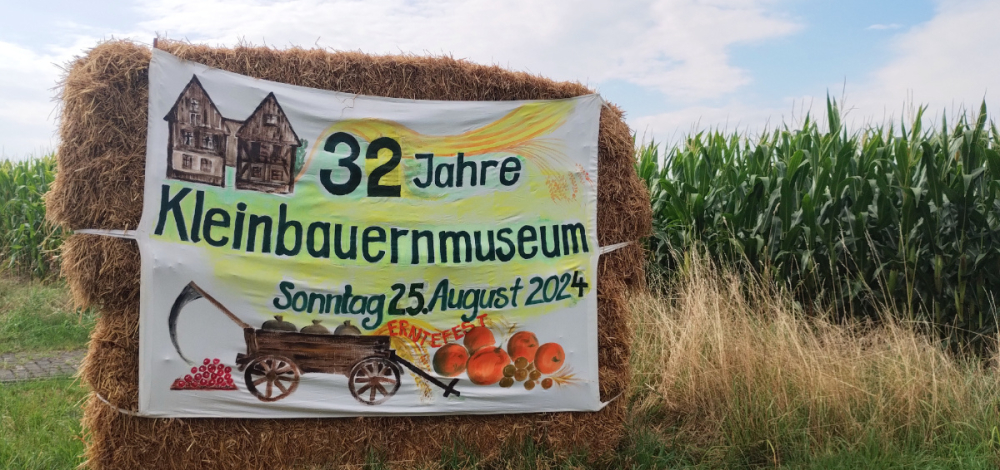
x,y
731,371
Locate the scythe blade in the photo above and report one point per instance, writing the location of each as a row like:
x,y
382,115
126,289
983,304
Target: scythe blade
x,y
187,295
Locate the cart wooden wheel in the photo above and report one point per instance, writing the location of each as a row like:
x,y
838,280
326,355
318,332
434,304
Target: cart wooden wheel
x,y
271,378
373,380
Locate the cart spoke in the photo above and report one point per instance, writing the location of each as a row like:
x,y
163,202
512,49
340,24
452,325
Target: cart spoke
x,y
259,381
373,392
281,387
362,380
283,368
265,365
380,388
363,389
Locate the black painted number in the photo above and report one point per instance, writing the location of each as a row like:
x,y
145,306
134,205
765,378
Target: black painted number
x,y
354,178
553,288
579,283
393,307
375,187
415,293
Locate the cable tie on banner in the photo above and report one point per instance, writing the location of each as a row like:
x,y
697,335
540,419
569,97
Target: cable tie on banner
x,y
606,403
120,410
130,234
616,246
604,103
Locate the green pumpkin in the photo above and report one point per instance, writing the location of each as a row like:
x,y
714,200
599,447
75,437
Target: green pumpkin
x,y
279,324
315,328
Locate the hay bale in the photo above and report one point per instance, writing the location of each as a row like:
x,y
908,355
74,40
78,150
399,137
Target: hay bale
x,y
99,185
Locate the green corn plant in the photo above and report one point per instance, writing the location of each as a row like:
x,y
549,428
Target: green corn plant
x,y
28,243
907,218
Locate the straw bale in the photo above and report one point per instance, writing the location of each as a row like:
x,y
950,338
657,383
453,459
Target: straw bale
x,y
102,271
99,185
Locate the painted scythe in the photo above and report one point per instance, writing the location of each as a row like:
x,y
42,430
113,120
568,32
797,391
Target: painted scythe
x,y
190,293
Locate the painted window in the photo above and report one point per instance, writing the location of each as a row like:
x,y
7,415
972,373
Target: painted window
x,y
271,119
194,105
255,171
276,175
208,142
206,165
187,137
195,119
188,162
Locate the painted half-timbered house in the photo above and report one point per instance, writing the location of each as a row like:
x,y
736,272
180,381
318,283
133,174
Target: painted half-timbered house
x,y
265,157
196,149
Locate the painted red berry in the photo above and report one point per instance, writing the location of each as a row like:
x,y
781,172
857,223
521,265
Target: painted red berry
x,y
229,369
206,361
216,361
188,378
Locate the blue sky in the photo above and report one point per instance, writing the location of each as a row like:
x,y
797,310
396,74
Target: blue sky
x,y
675,66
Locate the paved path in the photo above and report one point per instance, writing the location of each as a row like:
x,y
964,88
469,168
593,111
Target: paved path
x,y
25,366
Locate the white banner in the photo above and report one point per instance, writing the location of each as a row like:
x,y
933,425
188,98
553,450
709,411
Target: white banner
x,y
307,253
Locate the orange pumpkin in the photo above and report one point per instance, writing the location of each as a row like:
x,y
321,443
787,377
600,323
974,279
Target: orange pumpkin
x,y
522,344
450,359
486,366
549,358
479,337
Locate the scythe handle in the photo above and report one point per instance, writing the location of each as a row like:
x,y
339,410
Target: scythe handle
x,y
218,305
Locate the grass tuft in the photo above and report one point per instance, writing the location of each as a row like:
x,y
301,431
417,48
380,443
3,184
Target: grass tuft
x,y
731,373
40,424
38,316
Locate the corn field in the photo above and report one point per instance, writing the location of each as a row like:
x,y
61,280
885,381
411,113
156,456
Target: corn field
x,y
882,219
28,244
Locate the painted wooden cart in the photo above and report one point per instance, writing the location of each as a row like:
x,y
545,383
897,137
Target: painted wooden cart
x,y
275,360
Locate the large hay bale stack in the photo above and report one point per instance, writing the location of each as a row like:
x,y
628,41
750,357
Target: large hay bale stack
x,y
99,186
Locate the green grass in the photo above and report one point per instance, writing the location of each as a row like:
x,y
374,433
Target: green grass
x,y
40,424
39,317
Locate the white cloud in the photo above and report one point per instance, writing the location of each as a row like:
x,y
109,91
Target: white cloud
x,y
676,46
733,116
26,117
883,27
947,62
